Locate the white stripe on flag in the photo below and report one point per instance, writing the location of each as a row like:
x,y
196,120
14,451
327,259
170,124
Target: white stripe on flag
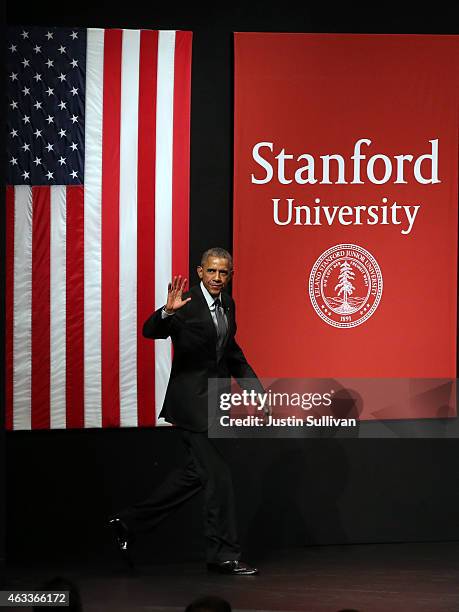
x,y
22,324
128,227
163,205
58,307
92,228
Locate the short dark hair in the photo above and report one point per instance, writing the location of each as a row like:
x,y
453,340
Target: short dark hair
x,y
217,252
209,604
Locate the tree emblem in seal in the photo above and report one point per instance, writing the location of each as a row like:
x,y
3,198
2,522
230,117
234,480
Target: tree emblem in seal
x,y
345,285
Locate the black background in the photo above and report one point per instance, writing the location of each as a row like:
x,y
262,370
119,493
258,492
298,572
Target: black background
x,y
61,485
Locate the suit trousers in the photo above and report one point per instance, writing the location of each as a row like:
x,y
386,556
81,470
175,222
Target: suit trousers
x,y
205,469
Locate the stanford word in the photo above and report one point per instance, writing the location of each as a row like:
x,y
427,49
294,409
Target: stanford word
x,y
379,168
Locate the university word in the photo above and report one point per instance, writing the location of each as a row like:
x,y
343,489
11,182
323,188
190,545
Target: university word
x,y
287,212
334,169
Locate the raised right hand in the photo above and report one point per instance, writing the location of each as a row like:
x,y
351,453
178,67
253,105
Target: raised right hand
x,y
174,294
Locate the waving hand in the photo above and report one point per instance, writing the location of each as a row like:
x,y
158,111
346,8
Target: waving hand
x,y
174,295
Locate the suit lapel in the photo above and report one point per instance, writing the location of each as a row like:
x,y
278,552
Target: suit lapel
x,y
203,309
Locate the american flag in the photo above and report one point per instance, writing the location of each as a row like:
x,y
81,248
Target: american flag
x,y
97,220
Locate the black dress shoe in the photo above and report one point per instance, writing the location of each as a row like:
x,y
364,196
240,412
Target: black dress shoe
x,y
232,568
123,539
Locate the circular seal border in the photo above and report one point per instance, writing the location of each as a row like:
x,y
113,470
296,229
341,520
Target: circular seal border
x,y
317,263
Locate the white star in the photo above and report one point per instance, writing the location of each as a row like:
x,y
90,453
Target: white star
x,y
37,161
74,174
61,160
74,63
26,91
37,49
37,77
14,104
49,63
37,104
74,91
50,91
26,119
14,161
37,133
74,35
62,133
25,147
61,49
61,77
24,34
62,105
74,119
49,147
14,133
74,146
25,174
13,48
49,35
25,63
50,119
49,175
14,76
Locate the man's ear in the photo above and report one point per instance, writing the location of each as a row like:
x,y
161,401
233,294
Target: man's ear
x,y
199,271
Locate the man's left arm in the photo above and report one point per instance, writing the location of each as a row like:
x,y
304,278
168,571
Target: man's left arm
x,y
239,367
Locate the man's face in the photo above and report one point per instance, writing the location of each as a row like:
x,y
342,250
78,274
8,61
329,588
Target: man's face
x,y
215,274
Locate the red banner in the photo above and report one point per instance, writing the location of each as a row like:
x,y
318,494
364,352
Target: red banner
x,y
345,206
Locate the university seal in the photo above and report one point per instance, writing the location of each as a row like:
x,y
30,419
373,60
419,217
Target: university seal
x,y
345,285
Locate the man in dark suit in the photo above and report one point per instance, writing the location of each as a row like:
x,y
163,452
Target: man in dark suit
x,y
202,326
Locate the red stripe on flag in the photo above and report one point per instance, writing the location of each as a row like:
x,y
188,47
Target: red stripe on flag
x,y
146,225
9,305
113,41
41,236
181,154
75,307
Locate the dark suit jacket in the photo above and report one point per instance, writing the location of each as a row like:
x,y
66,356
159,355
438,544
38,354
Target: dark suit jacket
x,y
194,338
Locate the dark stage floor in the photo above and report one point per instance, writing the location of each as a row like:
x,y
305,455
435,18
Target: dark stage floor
x,y
368,578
